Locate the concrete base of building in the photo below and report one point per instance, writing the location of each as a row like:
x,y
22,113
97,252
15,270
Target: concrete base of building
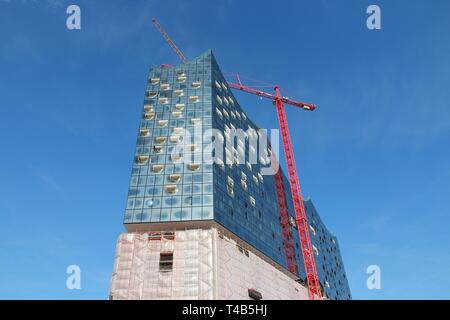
x,y
201,263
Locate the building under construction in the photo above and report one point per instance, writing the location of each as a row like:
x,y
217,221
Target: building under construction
x,y
210,214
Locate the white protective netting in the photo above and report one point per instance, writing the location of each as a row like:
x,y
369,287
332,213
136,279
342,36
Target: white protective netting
x,y
240,270
205,266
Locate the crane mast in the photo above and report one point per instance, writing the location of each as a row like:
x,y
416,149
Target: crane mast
x,y
285,223
312,278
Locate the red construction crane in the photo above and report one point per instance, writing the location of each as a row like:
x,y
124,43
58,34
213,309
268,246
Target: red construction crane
x,y
314,290
312,279
285,222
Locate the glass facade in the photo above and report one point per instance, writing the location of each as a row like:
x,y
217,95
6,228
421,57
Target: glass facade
x,y
329,265
190,116
163,186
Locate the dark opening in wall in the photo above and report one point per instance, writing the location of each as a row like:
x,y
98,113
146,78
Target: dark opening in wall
x,y
165,261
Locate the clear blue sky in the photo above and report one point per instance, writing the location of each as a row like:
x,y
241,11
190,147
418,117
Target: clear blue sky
x,y
374,156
